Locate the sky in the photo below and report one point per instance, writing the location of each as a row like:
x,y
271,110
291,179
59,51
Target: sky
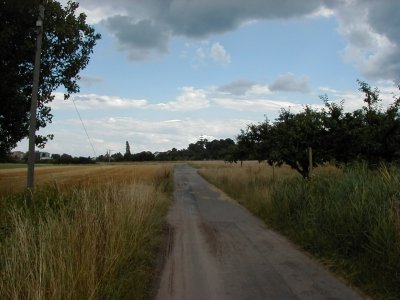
x,y
167,72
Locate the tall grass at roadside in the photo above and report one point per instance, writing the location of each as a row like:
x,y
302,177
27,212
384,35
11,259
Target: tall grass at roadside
x,y
88,241
350,220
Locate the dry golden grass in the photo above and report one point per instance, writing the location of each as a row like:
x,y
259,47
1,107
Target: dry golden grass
x,y
92,234
14,180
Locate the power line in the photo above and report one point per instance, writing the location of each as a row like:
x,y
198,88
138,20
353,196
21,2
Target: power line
x,y
84,127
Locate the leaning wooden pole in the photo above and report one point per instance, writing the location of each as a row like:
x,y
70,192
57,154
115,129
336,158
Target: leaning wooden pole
x,y
34,105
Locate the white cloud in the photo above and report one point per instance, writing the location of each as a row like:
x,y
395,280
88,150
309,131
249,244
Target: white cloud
x,y
90,101
322,11
373,39
172,121
219,54
190,99
215,53
353,100
96,13
256,105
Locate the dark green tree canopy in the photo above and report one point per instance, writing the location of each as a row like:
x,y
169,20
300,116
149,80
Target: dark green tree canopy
x,y
68,42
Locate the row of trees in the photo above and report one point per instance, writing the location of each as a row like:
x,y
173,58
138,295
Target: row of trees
x,y
69,159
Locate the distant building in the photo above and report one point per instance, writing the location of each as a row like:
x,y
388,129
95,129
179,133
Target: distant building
x,y
18,155
44,156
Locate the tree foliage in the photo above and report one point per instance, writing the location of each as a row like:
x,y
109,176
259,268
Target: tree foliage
x,y
67,44
370,134
127,155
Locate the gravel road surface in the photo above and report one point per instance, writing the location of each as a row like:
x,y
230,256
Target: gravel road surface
x,y
218,250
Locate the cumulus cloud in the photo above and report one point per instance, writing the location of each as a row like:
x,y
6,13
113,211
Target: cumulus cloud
x,y
143,28
371,29
141,39
215,53
289,83
219,54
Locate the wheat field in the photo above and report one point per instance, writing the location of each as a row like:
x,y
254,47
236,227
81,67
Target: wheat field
x,y
93,232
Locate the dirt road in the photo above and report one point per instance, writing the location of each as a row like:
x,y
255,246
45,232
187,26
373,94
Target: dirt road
x,y
218,250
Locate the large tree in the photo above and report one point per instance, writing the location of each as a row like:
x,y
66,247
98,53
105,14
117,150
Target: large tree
x,y
293,134
68,42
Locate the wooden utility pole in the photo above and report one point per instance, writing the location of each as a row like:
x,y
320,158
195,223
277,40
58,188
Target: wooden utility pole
x,y
34,104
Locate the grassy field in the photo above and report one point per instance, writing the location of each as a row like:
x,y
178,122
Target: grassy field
x,y
349,219
93,232
11,166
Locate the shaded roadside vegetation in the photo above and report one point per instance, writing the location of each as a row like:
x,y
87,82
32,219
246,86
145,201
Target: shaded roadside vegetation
x,y
348,218
85,239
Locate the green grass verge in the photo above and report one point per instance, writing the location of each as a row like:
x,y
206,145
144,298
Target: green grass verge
x,y
11,166
6,166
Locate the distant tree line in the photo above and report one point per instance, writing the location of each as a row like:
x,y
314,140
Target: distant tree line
x,y
203,149
54,159
223,149
128,156
69,159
